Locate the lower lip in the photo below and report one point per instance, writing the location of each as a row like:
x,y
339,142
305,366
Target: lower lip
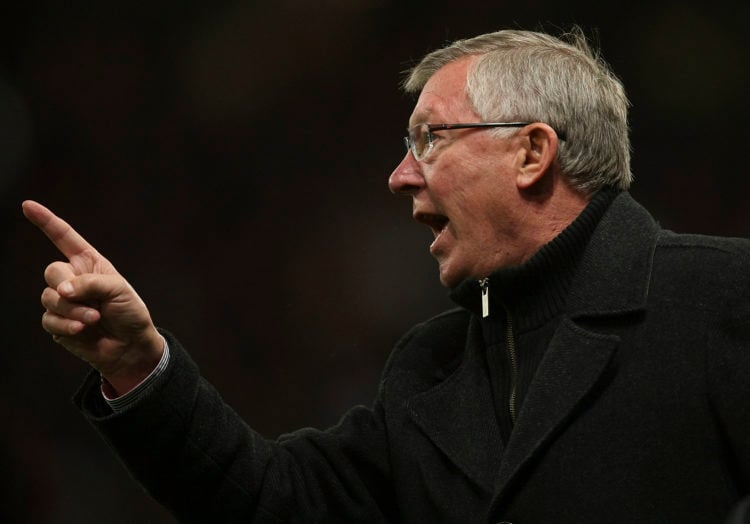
x,y
435,247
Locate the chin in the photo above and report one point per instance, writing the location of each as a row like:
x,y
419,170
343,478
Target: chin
x,y
450,278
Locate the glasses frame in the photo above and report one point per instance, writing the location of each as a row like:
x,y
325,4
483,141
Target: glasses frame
x,y
412,146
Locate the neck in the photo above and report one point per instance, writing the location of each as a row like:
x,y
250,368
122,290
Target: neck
x,y
545,216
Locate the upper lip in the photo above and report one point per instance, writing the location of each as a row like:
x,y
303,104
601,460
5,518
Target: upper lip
x,y
434,221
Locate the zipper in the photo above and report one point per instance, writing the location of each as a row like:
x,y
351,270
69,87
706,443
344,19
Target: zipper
x,y
511,345
484,285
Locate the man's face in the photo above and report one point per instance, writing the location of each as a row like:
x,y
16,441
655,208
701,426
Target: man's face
x,y
464,189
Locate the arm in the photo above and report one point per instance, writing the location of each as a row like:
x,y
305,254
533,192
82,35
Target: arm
x,y
198,458
728,365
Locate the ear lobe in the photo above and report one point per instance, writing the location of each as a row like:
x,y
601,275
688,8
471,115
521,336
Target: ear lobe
x,y
538,155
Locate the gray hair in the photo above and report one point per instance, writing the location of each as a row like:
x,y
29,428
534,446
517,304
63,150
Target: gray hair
x,y
530,76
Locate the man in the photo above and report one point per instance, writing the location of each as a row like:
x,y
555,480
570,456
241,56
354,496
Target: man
x,y
594,371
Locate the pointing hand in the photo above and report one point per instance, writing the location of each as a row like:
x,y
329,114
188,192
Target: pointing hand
x,y
92,311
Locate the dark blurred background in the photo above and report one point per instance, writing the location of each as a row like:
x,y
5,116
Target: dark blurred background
x,y
231,159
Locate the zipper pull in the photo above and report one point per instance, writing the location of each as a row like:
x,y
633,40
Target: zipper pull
x,y
484,284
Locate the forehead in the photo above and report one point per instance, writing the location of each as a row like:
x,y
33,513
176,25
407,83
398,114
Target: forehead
x,y
444,96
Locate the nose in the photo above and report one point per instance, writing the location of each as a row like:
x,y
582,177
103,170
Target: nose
x,y
407,178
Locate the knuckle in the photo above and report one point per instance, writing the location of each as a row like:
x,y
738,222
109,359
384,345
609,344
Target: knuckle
x,y
52,323
49,272
49,297
58,326
55,273
90,255
46,324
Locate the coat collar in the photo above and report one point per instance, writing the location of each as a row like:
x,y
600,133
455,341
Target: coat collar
x,y
615,271
458,414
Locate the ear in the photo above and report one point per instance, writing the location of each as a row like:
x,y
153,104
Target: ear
x,y
537,154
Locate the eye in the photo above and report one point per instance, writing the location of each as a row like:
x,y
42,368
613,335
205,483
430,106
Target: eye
x,y
436,135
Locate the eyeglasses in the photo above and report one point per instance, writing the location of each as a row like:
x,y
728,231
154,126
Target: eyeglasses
x,y
420,140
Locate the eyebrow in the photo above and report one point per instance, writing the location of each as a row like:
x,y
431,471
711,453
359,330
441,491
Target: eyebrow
x,y
420,118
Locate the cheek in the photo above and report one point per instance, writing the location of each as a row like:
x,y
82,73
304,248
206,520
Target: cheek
x,y
485,217
458,180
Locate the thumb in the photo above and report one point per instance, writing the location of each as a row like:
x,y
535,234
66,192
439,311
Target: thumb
x,y
93,287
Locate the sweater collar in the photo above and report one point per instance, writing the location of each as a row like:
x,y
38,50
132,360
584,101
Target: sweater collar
x,y
537,290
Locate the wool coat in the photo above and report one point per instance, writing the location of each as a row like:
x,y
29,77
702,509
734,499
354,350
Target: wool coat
x,y
638,411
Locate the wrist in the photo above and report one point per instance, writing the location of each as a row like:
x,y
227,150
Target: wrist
x,y
134,371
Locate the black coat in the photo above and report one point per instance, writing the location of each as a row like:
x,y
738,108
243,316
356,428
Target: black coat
x,y
636,413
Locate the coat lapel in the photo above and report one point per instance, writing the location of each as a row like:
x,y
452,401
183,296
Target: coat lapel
x,y
571,368
612,279
459,417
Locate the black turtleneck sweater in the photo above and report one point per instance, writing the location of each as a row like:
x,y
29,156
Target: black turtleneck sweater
x,y
525,305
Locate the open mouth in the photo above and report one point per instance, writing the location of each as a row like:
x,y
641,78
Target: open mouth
x,y
437,223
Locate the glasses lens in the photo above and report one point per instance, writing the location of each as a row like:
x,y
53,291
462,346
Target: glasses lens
x,y
418,139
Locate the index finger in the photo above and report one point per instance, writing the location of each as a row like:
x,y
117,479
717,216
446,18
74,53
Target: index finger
x,y
65,238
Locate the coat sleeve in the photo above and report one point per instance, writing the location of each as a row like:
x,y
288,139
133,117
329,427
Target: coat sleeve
x,y
193,454
728,376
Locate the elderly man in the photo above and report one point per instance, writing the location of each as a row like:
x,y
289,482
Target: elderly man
x,y
595,370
